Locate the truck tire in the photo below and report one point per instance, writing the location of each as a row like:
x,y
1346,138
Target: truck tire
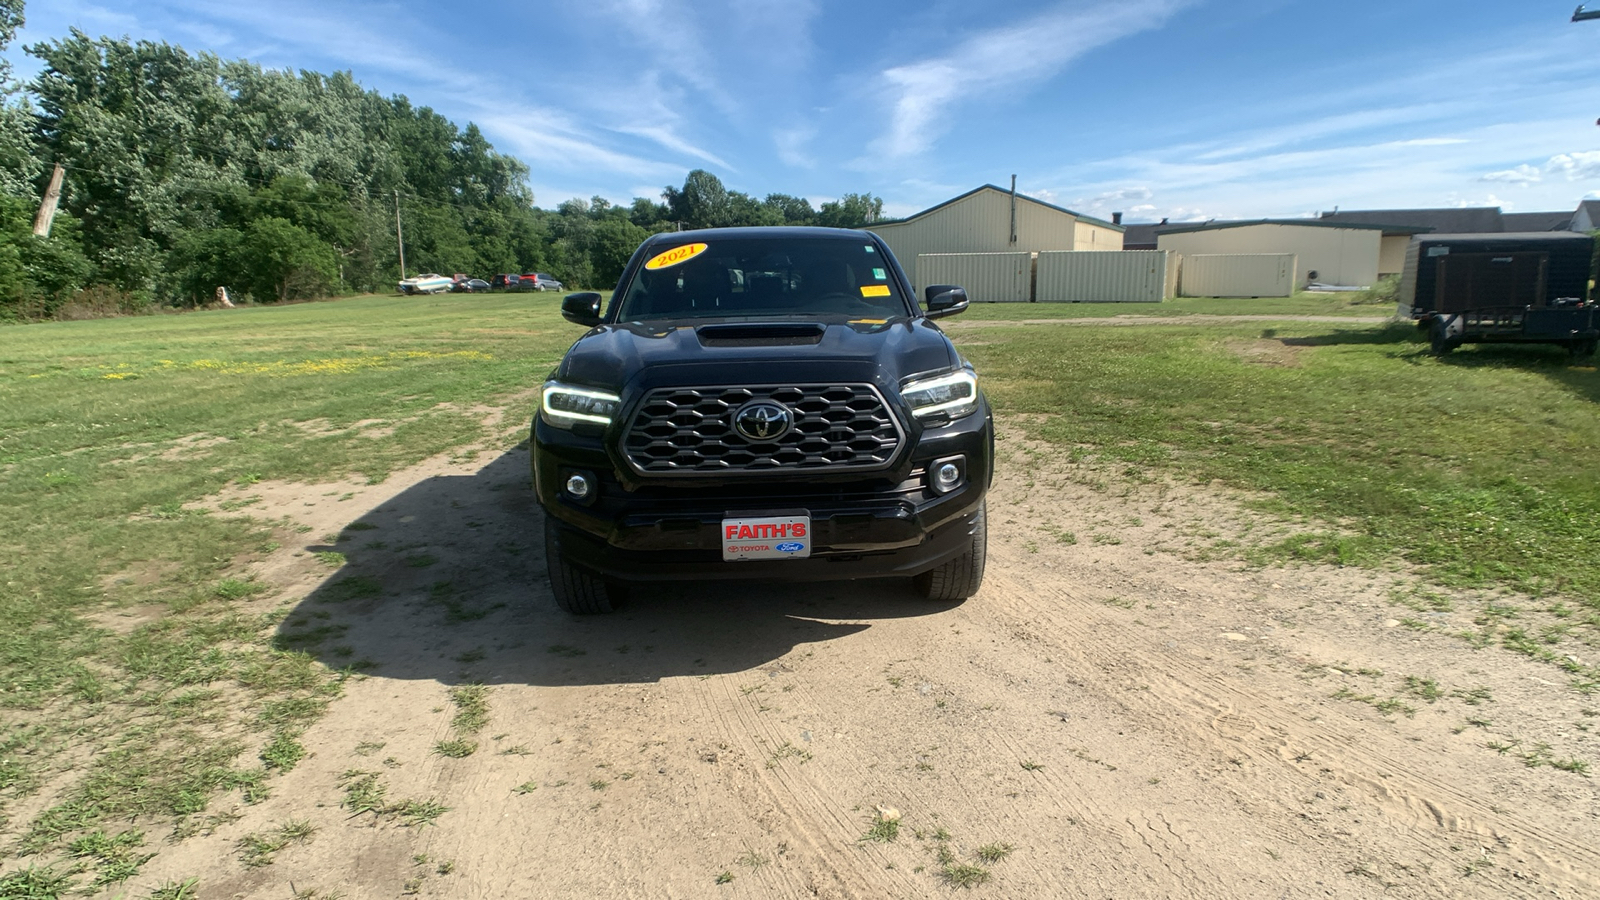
x,y
961,577
1583,349
577,591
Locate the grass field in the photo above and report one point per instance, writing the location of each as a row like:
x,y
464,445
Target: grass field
x,y
1478,468
107,428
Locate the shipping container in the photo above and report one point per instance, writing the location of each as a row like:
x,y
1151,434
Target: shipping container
x,y
1501,288
1122,276
1238,275
988,277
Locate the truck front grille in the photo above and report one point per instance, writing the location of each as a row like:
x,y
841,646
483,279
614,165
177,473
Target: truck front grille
x,y
836,428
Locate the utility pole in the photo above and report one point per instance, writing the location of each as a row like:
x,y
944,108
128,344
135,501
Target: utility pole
x,y
47,208
399,235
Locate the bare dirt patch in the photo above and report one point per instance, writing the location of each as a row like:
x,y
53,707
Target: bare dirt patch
x,y
1268,352
1117,713
193,446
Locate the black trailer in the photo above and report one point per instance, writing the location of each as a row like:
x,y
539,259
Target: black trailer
x,y
1501,288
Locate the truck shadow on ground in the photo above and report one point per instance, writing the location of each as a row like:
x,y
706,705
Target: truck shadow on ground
x,y
446,581
1579,376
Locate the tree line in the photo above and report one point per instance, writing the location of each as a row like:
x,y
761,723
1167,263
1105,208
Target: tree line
x,y
185,172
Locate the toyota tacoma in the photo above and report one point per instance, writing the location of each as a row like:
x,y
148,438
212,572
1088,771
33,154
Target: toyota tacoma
x,y
767,404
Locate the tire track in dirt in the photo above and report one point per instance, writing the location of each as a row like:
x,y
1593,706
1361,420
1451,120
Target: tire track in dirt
x,y
1167,760
1182,693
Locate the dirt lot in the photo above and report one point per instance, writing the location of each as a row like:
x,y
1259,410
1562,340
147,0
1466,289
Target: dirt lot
x,y
1127,719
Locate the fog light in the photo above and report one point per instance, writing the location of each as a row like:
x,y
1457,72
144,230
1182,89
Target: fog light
x,y
578,486
945,475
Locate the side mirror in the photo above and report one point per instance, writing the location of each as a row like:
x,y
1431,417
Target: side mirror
x,y
945,300
581,309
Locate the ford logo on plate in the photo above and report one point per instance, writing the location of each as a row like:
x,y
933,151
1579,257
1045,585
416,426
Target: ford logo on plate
x,y
763,420
790,547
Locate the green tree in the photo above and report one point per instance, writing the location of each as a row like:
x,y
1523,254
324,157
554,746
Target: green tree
x,y
37,275
702,202
282,261
614,241
647,214
792,210
851,211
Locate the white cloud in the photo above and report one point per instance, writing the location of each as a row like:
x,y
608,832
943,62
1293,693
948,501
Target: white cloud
x,y
1583,165
1003,59
791,144
1521,175
1477,202
1108,199
667,139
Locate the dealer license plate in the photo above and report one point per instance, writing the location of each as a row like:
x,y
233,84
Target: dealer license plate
x,y
766,537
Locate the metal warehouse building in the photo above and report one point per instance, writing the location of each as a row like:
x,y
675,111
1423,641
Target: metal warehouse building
x,y
992,219
1326,252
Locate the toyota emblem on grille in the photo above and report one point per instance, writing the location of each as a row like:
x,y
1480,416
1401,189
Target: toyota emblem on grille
x,y
763,420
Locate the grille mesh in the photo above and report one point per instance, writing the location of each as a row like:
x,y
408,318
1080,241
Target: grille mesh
x,y
838,427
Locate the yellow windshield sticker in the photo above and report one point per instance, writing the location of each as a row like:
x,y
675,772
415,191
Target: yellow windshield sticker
x,y
675,255
875,290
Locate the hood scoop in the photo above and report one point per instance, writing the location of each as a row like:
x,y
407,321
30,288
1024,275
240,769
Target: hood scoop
x,y
761,334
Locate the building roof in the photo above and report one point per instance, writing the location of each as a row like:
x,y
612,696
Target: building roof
x,y
1504,239
1141,234
1536,221
1592,207
990,187
1471,220
1298,223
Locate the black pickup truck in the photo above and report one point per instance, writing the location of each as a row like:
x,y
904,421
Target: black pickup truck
x,y
766,404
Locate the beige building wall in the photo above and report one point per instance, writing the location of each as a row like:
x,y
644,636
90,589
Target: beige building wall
x,y
1392,255
1089,236
980,223
1337,255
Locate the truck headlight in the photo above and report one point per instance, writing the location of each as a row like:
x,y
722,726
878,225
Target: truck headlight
x,y
566,405
953,395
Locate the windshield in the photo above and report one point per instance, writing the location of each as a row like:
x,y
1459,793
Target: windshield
x,y
829,277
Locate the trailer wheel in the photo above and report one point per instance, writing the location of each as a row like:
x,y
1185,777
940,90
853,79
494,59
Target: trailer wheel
x,y
1583,349
1439,338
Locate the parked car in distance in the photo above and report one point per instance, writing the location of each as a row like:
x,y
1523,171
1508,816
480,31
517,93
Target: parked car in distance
x,y
539,281
505,282
431,283
470,286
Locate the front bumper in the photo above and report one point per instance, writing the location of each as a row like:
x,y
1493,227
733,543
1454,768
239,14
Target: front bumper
x,y
891,524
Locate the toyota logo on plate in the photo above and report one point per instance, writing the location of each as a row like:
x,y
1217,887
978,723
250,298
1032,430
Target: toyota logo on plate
x,y
763,420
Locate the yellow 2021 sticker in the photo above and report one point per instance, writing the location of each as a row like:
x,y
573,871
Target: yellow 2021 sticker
x,y
675,255
875,290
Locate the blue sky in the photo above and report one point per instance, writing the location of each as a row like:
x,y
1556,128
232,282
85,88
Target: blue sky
x,y
1187,109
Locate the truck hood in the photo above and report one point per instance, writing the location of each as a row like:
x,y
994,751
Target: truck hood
x,y
641,356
